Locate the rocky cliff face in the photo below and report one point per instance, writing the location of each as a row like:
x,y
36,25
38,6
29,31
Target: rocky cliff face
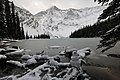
x,y
57,22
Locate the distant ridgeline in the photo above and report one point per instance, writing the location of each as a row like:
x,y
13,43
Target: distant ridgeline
x,y
9,21
98,29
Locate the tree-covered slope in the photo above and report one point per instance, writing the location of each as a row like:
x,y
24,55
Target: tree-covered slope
x,y
107,27
97,29
9,21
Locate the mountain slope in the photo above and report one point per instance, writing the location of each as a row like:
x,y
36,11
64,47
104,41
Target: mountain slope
x,y
28,21
57,22
60,23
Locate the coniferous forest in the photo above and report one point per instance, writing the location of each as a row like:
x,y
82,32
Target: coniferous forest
x,y
97,29
107,27
9,21
106,21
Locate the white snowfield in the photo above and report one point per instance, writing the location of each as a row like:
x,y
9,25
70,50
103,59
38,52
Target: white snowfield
x,y
56,22
31,61
17,63
3,56
26,57
1,49
17,52
83,52
55,47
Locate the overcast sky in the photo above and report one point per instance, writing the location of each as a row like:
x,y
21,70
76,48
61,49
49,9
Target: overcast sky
x,y
35,6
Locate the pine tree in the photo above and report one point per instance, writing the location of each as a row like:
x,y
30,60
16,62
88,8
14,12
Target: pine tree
x,y
111,37
9,21
2,26
27,37
14,23
22,32
18,29
1,19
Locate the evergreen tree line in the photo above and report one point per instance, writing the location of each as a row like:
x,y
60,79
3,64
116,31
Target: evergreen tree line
x,y
42,36
112,36
97,29
9,21
107,27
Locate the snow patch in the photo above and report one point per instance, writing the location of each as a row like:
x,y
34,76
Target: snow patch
x,y
3,56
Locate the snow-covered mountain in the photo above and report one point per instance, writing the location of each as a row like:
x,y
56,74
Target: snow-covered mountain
x,y
61,23
57,22
28,21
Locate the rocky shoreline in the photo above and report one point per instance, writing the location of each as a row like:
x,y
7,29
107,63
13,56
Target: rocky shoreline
x,y
97,67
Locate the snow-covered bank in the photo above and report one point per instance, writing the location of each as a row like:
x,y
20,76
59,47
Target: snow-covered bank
x,y
97,67
101,67
49,70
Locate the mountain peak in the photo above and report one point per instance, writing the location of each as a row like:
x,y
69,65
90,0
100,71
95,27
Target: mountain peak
x,y
53,8
58,22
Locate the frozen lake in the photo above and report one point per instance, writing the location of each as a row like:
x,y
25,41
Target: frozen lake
x,y
37,45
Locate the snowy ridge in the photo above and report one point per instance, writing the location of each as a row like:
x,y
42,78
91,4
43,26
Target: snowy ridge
x,y
61,23
28,22
56,22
